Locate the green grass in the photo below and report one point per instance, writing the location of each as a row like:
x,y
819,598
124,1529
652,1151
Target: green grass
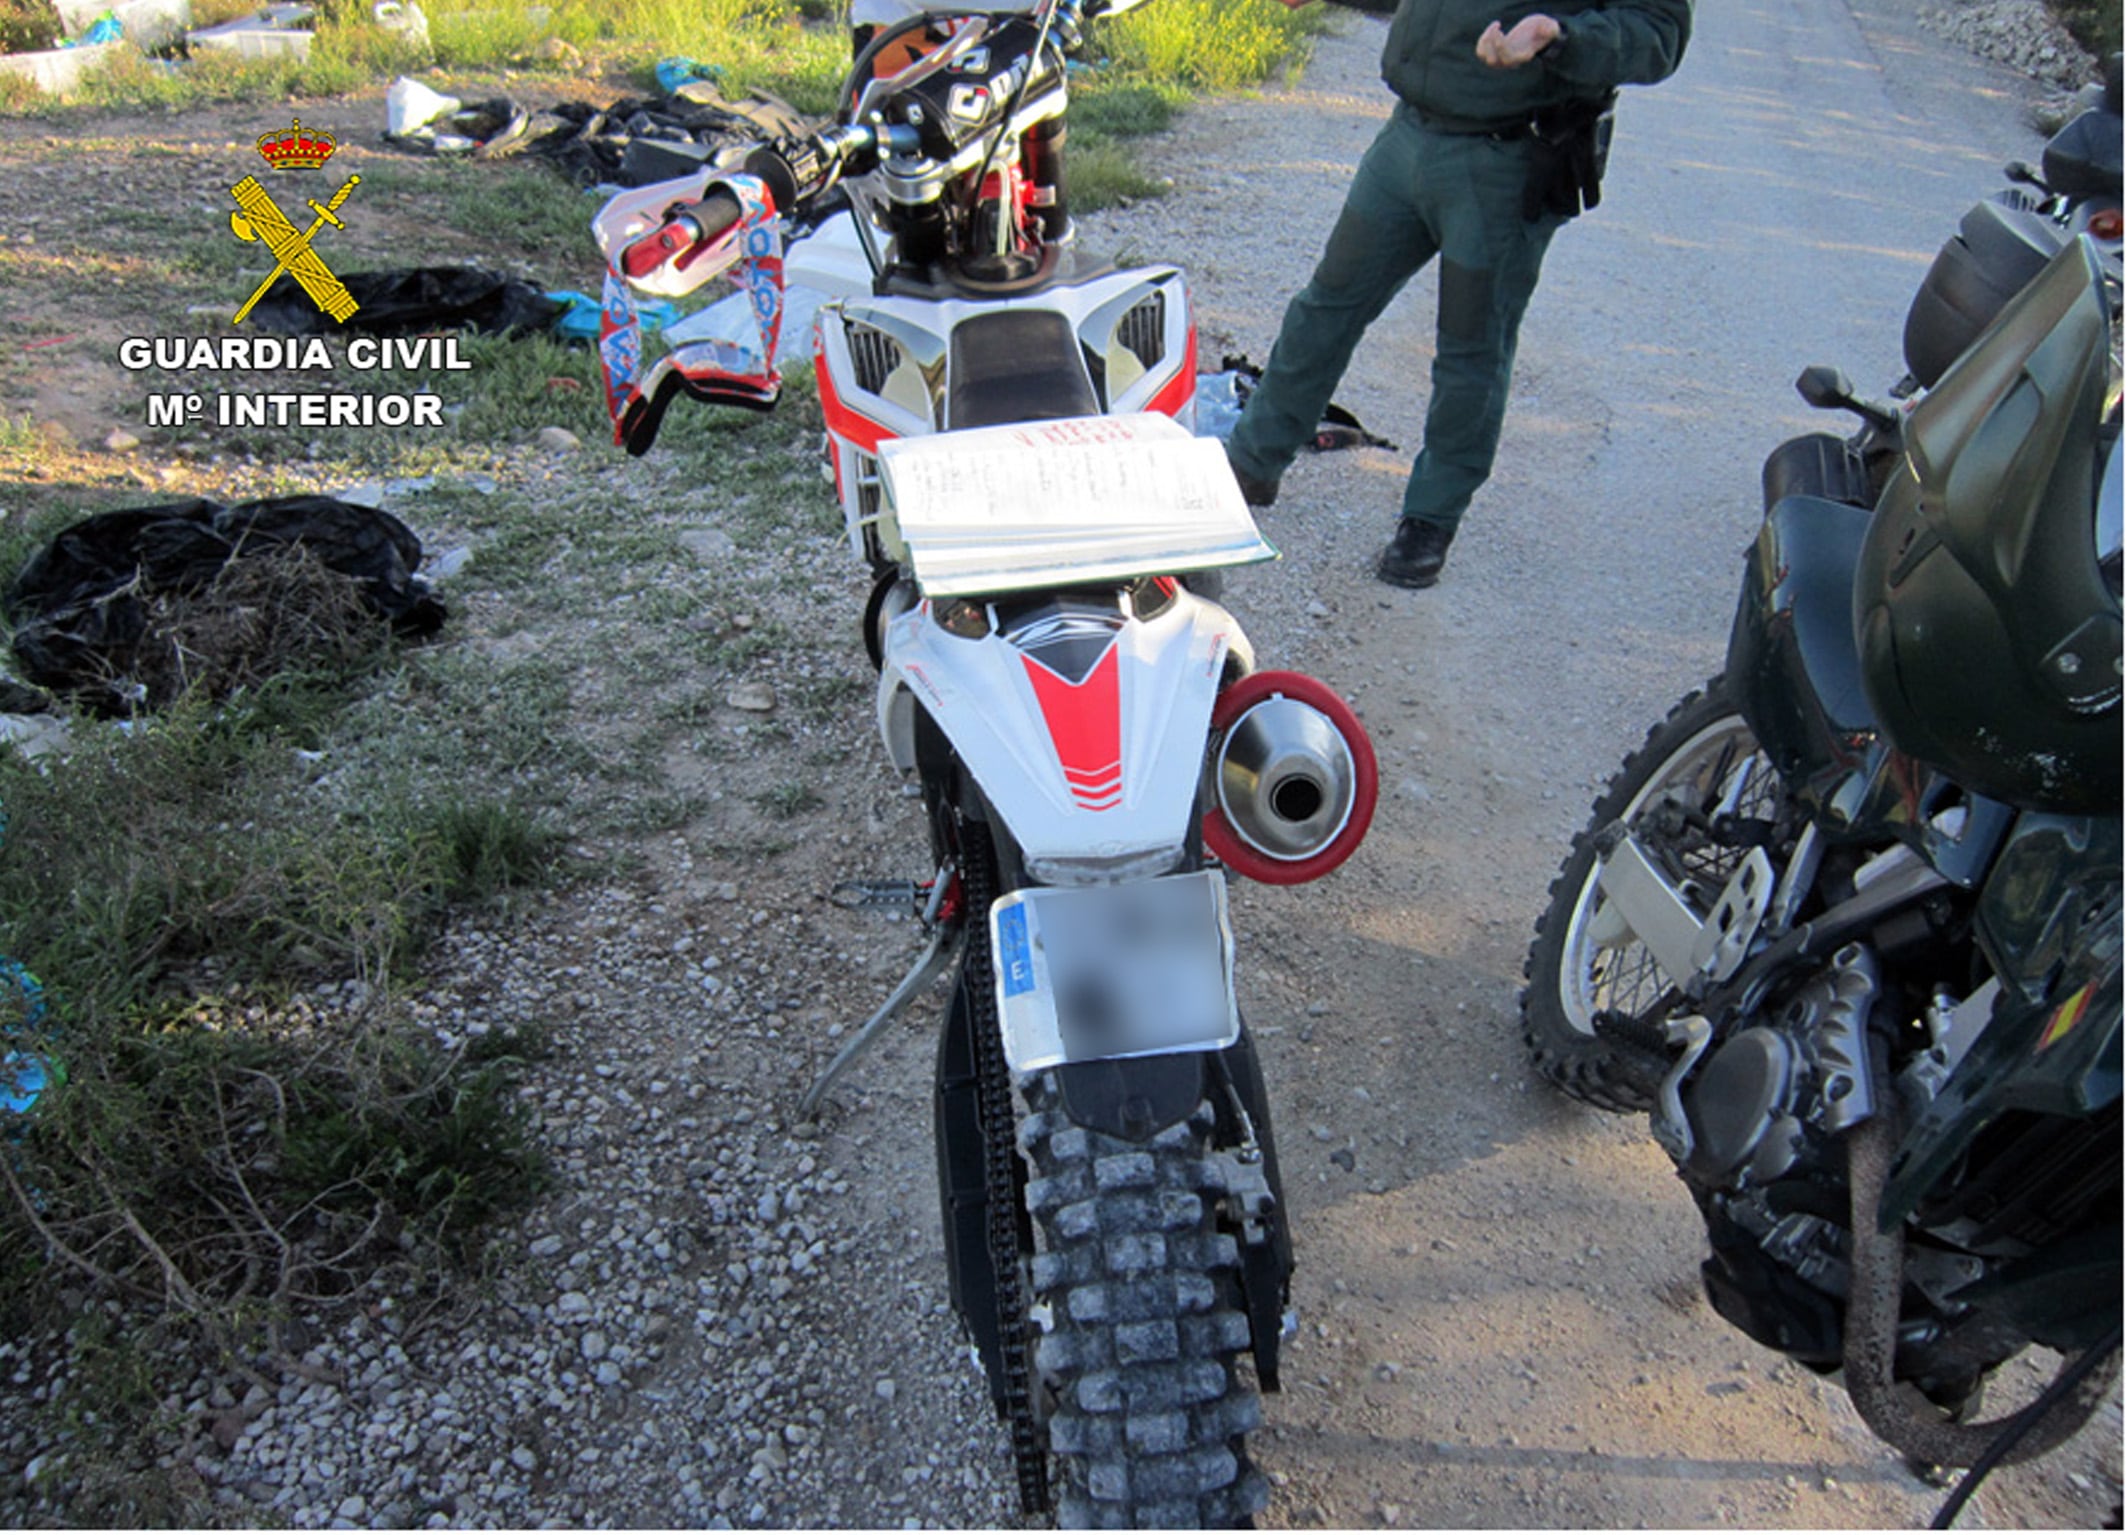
x,y
524,209
216,1142
1105,174
21,434
765,44
1150,61
787,801
26,26
1207,45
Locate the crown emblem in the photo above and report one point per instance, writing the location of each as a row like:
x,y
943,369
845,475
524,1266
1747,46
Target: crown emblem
x,y
295,150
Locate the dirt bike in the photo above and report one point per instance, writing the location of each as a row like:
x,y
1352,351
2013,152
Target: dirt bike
x,y
1847,925
1006,422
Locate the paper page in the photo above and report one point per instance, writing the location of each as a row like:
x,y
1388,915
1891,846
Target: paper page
x,y
1103,494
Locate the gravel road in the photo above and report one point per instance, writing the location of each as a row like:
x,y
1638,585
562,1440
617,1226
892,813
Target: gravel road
x,y
724,1317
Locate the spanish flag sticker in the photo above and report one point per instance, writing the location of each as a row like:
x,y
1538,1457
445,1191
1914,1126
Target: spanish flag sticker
x,y
2064,1017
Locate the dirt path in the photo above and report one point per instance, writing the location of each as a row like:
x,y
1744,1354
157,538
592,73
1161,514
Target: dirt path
x,y
1503,1322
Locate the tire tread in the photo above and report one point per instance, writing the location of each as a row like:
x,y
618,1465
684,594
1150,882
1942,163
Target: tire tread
x,y
1150,1415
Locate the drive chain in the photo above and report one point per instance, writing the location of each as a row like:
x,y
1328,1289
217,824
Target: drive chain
x,y
1000,1162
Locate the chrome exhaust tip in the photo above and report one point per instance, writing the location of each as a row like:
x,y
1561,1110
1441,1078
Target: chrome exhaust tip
x,y
1286,779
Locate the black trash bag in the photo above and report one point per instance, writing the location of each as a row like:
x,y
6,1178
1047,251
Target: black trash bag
x,y
616,145
410,301
85,608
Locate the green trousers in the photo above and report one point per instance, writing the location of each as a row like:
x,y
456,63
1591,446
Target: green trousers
x,y
1418,193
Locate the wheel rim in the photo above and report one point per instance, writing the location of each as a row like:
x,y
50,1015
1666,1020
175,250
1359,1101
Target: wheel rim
x,y
1604,967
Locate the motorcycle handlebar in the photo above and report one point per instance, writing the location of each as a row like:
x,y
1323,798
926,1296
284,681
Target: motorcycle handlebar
x,y
685,229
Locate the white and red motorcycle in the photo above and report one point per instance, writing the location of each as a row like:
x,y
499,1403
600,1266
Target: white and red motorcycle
x,y
1008,423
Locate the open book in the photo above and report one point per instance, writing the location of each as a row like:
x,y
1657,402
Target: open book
x,y
1049,503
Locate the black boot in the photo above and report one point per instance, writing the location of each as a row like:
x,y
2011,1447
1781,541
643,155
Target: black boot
x,y
1415,557
1253,491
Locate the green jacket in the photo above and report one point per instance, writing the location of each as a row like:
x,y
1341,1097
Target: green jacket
x,y
1431,61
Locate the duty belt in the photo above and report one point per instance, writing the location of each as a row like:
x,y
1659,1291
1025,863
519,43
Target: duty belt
x,y
1503,133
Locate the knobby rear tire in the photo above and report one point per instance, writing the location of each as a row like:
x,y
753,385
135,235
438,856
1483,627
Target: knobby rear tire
x,y
1150,1414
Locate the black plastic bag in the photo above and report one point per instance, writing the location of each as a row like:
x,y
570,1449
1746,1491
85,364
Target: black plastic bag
x,y
83,606
1338,427
618,145
410,301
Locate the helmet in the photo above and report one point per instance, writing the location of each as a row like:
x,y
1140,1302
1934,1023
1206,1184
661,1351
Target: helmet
x,y
1986,615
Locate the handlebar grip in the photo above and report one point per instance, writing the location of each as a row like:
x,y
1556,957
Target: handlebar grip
x,y
716,213
777,174
686,230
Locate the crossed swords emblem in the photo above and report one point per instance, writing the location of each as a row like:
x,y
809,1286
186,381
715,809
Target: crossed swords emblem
x,y
260,218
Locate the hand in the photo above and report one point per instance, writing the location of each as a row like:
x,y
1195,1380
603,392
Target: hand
x,y
1510,50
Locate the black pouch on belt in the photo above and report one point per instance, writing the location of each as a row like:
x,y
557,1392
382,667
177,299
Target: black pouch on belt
x,y
1571,152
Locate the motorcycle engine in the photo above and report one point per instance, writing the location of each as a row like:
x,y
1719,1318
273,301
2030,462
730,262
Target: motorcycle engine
x,y
1760,1114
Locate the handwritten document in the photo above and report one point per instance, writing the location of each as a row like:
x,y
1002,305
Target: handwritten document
x,y
1090,498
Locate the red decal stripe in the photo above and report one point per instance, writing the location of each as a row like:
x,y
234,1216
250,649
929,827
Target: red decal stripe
x,y
1181,388
842,420
1085,724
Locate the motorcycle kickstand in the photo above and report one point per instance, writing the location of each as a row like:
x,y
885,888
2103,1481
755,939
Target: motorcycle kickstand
x,y
936,955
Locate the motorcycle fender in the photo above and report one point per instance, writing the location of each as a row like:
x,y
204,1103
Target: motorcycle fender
x,y
1135,1098
1139,722
1791,660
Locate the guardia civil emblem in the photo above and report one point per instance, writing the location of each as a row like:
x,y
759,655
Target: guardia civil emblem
x,y
259,218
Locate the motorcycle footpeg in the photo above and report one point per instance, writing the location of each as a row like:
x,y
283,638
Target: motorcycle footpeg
x,y
879,894
1640,1036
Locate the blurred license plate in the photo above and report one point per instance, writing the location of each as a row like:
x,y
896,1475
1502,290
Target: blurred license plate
x,y
1100,972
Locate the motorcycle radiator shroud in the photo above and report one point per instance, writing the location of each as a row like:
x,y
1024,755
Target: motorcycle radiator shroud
x,y
898,365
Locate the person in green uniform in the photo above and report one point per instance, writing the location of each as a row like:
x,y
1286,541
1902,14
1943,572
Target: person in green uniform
x,y
1497,138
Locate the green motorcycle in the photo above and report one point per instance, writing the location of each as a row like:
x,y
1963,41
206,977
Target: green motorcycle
x,y
1847,926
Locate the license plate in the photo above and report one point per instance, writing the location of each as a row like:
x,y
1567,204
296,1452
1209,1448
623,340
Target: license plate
x,y
1108,971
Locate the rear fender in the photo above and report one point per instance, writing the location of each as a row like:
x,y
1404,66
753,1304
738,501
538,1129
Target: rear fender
x,y
1100,769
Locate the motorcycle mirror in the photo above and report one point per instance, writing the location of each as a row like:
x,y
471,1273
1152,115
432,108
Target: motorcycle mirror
x,y
2025,174
1824,387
